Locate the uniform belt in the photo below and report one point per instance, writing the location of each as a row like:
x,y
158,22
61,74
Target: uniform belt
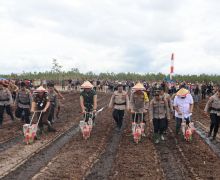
x,y
4,99
24,103
214,109
120,103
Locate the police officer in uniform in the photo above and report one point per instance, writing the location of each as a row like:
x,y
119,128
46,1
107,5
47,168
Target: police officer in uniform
x,y
139,103
23,103
5,102
119,101
213,108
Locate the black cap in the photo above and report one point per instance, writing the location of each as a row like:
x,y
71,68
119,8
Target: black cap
x,y
50,84
23,84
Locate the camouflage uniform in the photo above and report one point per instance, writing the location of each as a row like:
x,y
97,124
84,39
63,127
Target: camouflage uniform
x,y
40,104
88,101
53,105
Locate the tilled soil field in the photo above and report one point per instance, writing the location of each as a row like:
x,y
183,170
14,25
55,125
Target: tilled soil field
x,y
136,161
17,153
76,157
109,154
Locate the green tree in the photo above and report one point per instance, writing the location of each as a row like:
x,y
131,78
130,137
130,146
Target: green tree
x,y
56,68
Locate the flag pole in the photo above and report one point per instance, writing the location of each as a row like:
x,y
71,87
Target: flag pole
x,y
172,66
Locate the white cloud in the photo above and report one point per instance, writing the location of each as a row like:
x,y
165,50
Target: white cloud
x,y
104,35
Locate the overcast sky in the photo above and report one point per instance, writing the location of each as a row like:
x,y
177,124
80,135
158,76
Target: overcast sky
x,y
110,35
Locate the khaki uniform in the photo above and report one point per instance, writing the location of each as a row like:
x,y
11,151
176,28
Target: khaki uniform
x,y
5,97
139,104
23,101
5,103
159,113
159,109
119,101
213,107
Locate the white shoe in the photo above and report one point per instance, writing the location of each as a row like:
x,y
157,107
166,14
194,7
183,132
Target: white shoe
x,y
157,141
162,138
143,134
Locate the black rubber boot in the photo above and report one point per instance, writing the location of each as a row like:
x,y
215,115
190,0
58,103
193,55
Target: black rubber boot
x,y
209,134
214,137
51,129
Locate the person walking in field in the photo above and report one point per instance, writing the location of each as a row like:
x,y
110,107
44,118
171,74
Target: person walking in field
x,y
88,99
213,108
119,102
63,84
6,102
41,102
53,101
166,96
23,103
139,104
159,113
183,105
196,92
59,96
12,88
50,85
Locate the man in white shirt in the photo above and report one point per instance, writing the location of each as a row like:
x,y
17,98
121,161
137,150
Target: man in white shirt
x,y
183,105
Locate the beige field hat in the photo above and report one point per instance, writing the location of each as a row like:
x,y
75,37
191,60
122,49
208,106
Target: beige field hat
x,y
41,89
182,92
87,85
138,86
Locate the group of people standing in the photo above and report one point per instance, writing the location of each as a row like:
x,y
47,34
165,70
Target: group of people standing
x,y
138,104
159,110
43,100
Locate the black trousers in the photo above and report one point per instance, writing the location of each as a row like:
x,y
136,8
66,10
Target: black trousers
x,y
203,95
159,125
215,120
51,113
19,111
8,110
166,124
118,116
